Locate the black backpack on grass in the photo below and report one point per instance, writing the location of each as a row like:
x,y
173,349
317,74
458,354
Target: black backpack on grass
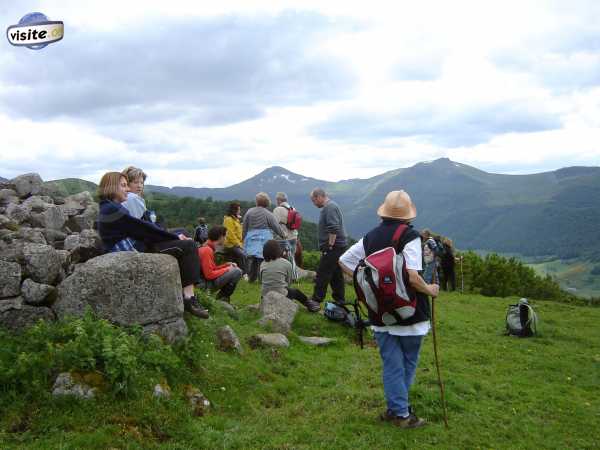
x,y
521,319
340,313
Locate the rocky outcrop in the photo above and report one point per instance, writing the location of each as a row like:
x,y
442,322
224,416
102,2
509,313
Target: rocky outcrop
x,y
10,279
36,222
66,385
27,184
127,288
278,312
316,341
40,262
227,340
51,257
269,340
37,294
16,315
83,246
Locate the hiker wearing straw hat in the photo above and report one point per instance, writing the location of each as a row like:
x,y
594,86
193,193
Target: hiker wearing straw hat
x,y
399,344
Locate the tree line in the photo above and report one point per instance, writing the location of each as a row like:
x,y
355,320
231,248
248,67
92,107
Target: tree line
x,y
182,212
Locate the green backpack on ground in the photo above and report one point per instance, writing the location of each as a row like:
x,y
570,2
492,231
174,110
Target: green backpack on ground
x,y
521,319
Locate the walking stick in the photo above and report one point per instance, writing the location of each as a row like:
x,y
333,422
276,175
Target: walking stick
x,y
462,277
437,361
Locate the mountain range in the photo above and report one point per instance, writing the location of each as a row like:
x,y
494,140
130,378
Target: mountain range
x,y
553,213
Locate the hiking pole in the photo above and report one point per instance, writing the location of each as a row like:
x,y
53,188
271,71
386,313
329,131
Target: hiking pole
x,y
437,361
462,277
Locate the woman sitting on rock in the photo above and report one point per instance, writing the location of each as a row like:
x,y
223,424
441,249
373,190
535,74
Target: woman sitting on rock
x,y
276,273
118,229
259,225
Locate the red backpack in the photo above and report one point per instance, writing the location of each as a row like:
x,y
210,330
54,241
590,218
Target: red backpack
x,y
294,219
381,282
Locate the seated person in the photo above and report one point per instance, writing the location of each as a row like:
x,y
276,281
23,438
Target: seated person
x,y
135,203
225,276
201,231
118,229
233,238
276,273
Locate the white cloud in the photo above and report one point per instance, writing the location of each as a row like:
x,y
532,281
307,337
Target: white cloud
x,y
510,86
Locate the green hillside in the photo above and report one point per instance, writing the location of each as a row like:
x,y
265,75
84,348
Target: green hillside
x,y
69,186
502,392
581,277
542,214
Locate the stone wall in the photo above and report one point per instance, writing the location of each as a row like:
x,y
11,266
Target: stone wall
x,y
48,245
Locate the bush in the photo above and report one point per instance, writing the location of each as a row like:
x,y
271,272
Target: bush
x,y
496,276
123,359
311,260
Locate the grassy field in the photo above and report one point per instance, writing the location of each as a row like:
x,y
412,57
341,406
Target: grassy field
x,y
503,392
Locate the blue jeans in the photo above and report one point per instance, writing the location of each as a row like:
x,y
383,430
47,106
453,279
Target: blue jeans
x,y
400,355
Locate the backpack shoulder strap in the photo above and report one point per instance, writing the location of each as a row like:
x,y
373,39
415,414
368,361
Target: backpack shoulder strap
x,y
402,236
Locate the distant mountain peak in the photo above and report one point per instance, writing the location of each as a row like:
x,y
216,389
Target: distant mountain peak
x,y
278,174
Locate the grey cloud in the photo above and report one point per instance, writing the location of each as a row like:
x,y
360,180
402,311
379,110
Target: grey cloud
x,y
469,127
204,71
566,59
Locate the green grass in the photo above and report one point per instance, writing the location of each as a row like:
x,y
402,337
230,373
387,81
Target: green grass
x,y
502,392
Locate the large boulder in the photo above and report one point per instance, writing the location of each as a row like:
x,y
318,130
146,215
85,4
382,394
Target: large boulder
x,y
126,288
37,204
268,340
52,218
40,262
8,196
85,220
77,203
37,294
66,385
16,315
54,237
17,213
33,235
83,246
27,184
278,312
227,340
10,279
7,223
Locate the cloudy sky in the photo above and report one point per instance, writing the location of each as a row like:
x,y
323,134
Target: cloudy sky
x,y
210,93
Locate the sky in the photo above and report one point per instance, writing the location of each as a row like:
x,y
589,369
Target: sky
x,y
208,94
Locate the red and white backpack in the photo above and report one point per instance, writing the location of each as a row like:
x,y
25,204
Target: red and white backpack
x,y
381,282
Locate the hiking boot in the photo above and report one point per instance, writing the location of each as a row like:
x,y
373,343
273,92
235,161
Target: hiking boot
x,y
411,421
312,305
192,306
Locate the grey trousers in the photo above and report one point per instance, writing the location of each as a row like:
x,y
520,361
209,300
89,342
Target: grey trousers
x,y
227,282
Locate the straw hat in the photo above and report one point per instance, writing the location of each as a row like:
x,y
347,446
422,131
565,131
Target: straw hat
x,y
397,205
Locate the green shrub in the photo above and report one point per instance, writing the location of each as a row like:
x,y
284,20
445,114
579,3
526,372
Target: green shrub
x,y
123,359
311,260
496,276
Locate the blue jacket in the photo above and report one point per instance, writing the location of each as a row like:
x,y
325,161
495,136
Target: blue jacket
x,y
115,224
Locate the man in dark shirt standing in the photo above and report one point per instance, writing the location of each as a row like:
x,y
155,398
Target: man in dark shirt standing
x,y
332,244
